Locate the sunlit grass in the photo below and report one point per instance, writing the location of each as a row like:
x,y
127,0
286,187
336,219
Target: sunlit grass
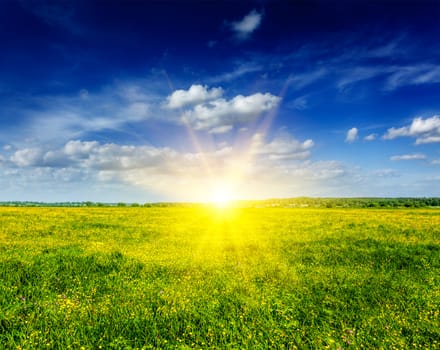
x,y
219,277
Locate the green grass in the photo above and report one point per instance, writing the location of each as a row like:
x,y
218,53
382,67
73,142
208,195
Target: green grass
x,y
201,278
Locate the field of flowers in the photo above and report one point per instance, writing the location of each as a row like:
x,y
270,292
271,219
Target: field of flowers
x,y
257,278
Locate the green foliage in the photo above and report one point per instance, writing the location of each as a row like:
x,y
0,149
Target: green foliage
x,y
300,202
182,277
346,203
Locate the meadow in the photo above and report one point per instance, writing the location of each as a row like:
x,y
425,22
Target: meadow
x,y
201,277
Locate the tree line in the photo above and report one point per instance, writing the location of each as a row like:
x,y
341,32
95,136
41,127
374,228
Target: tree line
x,y
298,202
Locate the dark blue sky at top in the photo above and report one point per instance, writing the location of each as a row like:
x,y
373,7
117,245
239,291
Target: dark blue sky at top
x,y
90,43
337,65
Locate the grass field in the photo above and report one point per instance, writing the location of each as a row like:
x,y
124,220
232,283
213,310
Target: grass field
x,y
90,278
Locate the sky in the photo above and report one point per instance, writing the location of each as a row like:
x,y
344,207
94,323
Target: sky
x,y
146,101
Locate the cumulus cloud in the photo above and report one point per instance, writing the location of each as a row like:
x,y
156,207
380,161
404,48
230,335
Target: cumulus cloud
x,y
370,137
352,135
258,167
26,157
319,171
196,94
92,155
435,162
281,148
424,130
182,175
413,156
221,129
224,113
125,107
244,28
393,132
78,148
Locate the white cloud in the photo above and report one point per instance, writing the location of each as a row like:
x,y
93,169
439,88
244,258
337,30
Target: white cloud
x,y
301,80
428,139
72,153
414,156
352,135
281,148
435,162
393,76
320,171
255,170
196,94
221,112
424,130
125,107
137,111
221,129
79,149
299,103
385,173
370,137
244,28
75,122
26,157
393,132
420,125
413,75
240,70
130,92
59,118
357,74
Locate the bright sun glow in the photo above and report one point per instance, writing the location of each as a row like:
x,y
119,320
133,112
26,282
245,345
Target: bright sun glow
x,y
221,196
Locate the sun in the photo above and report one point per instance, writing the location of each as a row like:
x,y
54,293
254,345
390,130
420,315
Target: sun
x,y
222,196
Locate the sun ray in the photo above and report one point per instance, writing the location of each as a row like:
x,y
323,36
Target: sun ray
x,y
223,175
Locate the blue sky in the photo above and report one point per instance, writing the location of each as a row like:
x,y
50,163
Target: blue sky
x,y
179,100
